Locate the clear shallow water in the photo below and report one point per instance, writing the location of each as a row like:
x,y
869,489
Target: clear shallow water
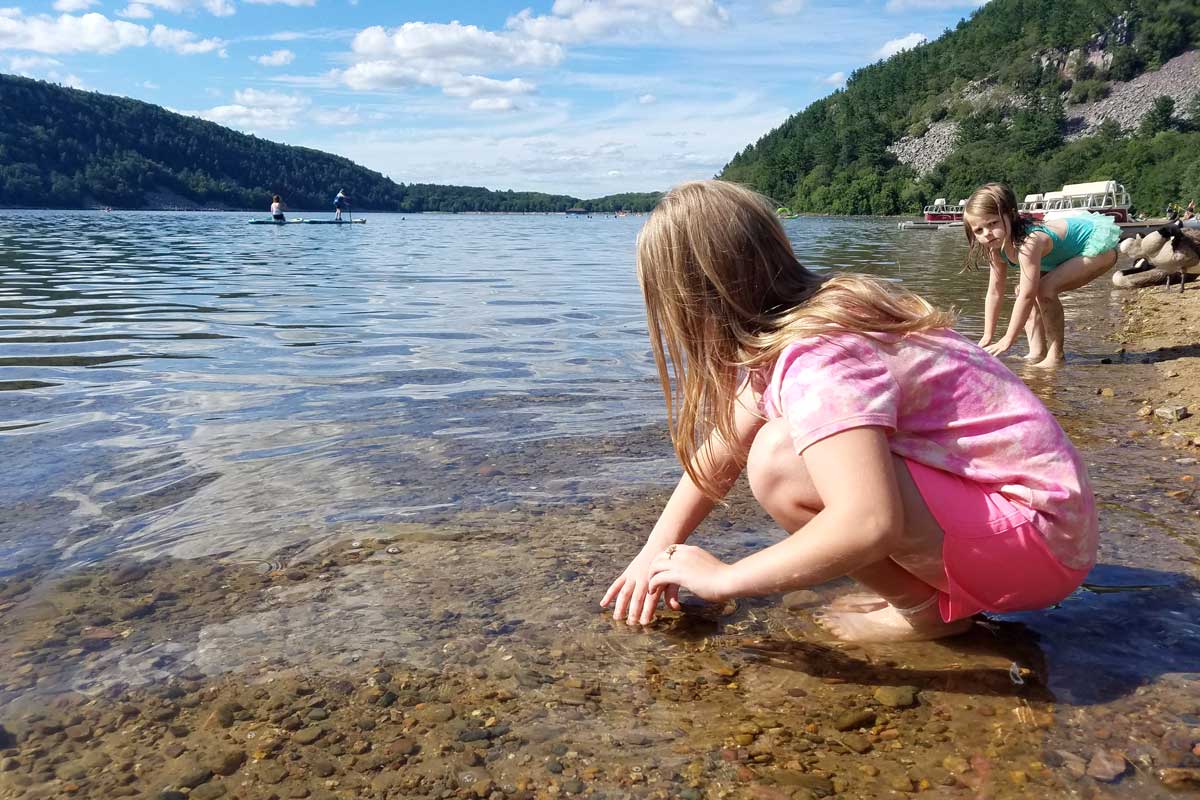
x,y
471,398
187,383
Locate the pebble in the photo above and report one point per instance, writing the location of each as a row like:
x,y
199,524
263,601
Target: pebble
x,y
896,696
209,791
1107,765
860,718
308,735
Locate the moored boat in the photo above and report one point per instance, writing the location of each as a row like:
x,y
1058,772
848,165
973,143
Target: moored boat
x,y
941,211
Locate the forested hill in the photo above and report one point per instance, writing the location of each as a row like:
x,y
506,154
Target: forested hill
x,y
64,148
1004,96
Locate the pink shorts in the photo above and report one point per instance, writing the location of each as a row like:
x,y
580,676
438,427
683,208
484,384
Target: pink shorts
x,y
996,559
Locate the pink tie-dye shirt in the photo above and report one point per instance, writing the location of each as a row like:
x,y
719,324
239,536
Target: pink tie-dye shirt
x,y
947,404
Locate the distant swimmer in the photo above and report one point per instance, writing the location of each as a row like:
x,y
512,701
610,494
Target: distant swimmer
x,y
342,201
277,208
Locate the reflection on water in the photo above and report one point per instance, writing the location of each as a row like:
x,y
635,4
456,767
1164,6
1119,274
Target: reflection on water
x,y
421,448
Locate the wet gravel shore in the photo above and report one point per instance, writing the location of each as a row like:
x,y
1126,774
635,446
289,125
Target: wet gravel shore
x,y
466,657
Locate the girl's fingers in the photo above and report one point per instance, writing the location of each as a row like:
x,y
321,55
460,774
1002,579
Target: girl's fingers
x,y
612,590
672,596
659,580
648,605
622,603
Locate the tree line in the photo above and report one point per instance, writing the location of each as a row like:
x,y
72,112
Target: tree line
x,y
66,148
832,157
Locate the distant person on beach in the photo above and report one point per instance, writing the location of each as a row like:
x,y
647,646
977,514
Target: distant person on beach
x,y
277,208
1190,211
1052,257
893,450
340,202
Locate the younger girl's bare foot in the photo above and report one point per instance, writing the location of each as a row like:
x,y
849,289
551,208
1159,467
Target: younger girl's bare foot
x,y
1034,358
858,602
889,625
1050,361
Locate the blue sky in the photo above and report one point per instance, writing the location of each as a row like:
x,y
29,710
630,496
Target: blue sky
x,y
580,97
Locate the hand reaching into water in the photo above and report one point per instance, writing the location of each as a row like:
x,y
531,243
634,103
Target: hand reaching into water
x,y
999,348
635,601
692,568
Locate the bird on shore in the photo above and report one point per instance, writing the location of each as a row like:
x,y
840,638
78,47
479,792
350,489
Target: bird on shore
x,y
1171,250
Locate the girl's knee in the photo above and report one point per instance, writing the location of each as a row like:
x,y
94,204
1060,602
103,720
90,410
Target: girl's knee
x,y
773,466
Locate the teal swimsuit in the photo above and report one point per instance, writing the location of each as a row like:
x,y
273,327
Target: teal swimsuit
x,y
1086,236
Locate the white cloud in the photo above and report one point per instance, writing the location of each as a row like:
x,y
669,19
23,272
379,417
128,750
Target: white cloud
x,y
30,66
135,11
150,85
492,104
932,5
253,109
575,21
453,46
71,6
785,7
477,86
894,46
184,43
277,58
89,33
141,9
647,100
836,79
293,3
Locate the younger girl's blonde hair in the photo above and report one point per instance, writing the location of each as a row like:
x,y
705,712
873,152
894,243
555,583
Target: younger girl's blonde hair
x,y
992,200
725,295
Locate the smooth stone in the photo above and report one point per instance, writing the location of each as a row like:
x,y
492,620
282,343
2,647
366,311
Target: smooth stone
x,y
860,718
209,791
1107,765
896,696
308,735
228,762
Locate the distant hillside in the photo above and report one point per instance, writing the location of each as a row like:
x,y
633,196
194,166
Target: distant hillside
x,y
64,148
1004,96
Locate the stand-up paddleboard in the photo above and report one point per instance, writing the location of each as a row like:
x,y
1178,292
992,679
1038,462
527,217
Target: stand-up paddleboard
x,y
295,221
335,221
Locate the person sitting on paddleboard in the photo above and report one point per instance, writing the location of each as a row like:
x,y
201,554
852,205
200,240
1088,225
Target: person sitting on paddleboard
x,y
340,202
277,209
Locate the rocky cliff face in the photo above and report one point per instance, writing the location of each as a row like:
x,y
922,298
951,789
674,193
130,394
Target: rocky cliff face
x,y
1126,104
925,152
1128,101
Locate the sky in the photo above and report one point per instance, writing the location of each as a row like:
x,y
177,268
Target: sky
x,y
578,97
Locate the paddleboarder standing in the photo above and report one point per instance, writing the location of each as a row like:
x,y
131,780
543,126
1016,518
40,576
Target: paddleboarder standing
x,y
340,202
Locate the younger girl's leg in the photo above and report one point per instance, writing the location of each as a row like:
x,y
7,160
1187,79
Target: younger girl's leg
x,y
907,579
1072,274
1035,334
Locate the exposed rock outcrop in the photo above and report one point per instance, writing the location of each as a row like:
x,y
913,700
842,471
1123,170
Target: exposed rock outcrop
x,y
925,152
1128,101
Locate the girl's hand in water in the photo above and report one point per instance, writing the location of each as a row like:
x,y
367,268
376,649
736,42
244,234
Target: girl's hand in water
x,y
999,348
693,568
635,602
984,342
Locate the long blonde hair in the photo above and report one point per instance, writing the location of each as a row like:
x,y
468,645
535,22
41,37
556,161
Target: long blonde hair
x,y
992,200
725,295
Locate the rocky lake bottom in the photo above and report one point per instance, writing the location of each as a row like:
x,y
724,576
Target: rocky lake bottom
x,y
465,655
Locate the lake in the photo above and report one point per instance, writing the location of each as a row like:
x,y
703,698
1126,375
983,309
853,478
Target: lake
x,y
251,469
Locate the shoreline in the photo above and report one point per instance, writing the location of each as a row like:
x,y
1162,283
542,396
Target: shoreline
x,y
399,662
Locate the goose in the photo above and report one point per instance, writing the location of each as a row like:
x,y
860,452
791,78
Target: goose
x,y
1158,257
1173,250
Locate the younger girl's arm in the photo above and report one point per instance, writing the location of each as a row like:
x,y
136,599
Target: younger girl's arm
x,y
1030,260
685,510
861,523
991,301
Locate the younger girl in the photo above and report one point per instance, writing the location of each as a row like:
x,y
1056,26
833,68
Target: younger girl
x,y
277,209
894,450
1053,257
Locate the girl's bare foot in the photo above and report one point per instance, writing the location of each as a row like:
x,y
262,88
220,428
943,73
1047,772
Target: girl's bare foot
x,y
858,602
1050,361
889,625
1034,358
